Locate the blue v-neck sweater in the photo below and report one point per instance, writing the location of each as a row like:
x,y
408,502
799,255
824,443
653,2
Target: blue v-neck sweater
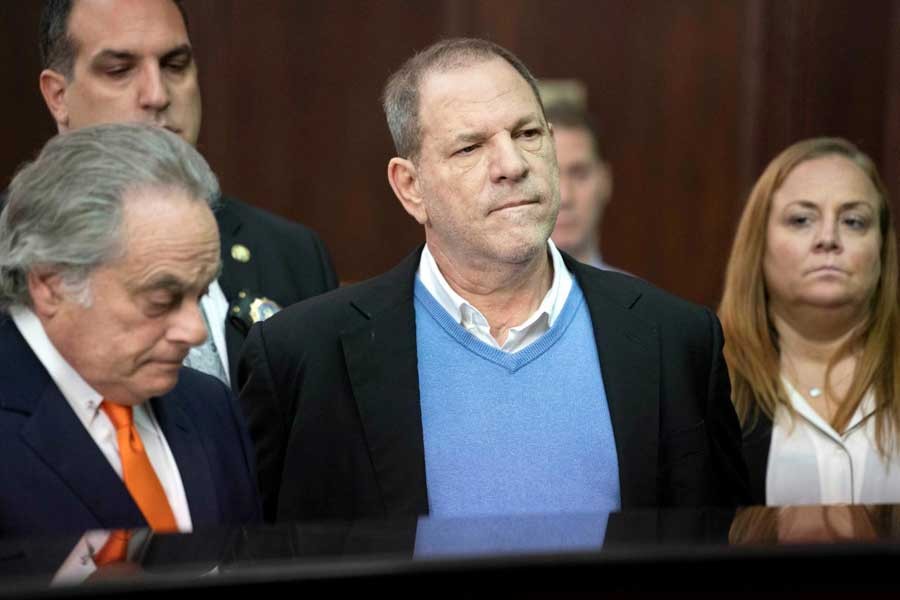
x,y
527,432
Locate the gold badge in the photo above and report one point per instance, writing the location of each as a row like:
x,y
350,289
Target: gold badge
x,y
263,308
240,253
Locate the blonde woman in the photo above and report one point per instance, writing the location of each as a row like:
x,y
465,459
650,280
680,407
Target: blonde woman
x,y
812,337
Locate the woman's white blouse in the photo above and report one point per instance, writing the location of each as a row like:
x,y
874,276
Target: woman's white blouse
x,y
810,463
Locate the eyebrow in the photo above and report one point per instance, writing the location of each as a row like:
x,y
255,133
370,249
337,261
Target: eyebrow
x,y
167,281
843,206
108,54
182,50
477,136
112,54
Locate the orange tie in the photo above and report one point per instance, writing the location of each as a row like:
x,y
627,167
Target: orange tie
x,y
115,549
138,473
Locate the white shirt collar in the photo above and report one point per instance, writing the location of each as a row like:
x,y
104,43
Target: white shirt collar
x,y
471,318
84,399
801,406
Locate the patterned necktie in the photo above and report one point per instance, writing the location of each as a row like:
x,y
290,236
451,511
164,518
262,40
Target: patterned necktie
x,y
205,357
137,472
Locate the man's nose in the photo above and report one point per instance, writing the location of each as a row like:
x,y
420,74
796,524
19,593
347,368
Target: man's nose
x,y
507,161
153,93
188,325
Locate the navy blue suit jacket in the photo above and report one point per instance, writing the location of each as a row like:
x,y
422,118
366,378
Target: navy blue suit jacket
x,y
54,478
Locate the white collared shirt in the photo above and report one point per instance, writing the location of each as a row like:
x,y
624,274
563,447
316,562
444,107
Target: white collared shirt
x,y
79,564
518,337
215,305
85,402
810,463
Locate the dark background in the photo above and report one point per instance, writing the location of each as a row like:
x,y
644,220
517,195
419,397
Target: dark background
x,y
694,97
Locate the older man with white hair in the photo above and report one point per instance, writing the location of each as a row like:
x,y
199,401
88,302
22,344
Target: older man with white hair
x,y
107,243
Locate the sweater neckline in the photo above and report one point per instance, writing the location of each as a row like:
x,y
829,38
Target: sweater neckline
x,y
511,361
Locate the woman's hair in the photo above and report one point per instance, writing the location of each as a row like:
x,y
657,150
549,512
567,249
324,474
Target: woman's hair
x,y
751,342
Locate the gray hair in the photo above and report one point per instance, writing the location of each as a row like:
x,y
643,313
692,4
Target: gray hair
x,y
401,94
64,210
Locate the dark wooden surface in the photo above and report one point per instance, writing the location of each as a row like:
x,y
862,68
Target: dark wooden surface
x,y
694,97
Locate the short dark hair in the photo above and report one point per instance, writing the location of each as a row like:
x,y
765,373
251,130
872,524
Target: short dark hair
x,y
56,46
401,94
573,116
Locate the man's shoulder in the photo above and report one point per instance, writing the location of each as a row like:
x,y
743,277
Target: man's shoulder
x,y
340,309
633,293
195,387
208,403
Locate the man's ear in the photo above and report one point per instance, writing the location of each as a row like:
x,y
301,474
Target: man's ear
x,y
606,181
404,180
45,287
53,88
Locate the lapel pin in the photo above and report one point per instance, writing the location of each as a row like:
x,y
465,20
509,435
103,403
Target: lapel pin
x,y
240,253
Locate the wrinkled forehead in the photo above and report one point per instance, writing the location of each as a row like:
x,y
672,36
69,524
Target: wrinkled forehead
x,y
473,94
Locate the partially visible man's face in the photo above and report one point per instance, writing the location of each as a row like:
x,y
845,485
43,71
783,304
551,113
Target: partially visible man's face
x,y
486,168
585,184
133,64
143,317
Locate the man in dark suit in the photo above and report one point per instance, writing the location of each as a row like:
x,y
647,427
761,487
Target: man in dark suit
x,y
132,61
487,373
107,243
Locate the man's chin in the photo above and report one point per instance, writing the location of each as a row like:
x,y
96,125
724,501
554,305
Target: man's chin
x,y
161,380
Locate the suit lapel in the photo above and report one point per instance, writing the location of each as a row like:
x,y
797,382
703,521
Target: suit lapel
x,y
60,440
628,348
192,461
382,364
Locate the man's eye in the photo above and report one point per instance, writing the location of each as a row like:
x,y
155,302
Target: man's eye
x,y
177,65
530,133
117,71
467,150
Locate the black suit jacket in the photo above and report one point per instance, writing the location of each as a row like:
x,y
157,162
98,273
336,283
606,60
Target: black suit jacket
x,y
331,391
287,263
756,454
54,479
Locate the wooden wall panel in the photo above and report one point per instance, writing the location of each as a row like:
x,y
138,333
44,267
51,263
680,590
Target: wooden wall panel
x,y
27,124
694,97
293,119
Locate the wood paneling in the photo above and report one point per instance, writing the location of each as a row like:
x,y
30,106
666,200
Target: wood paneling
x,y
27,125
694,98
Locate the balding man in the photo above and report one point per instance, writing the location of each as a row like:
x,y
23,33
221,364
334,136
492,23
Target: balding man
x,y
487,373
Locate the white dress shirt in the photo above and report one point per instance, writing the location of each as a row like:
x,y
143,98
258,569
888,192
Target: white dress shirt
x,y
79,564
215,305
85,402
518,337
810,463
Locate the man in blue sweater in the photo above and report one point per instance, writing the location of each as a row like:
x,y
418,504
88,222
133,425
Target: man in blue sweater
x,y
488,373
